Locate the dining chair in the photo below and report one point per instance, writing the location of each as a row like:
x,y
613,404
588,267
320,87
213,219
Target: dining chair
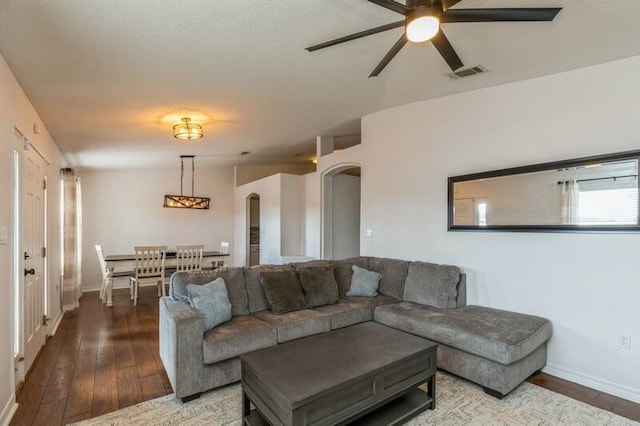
x,y
188,258
149,268
105,271
224,249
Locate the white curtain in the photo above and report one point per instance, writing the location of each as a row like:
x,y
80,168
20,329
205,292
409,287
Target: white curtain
x,y
72,255
570,202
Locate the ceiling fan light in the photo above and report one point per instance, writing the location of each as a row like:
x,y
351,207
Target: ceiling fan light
x,y
422,28
186,131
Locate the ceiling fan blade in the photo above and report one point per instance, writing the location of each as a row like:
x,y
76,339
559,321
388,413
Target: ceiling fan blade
x,y
441,42
389,56
357,35
504,14
446,4
394,5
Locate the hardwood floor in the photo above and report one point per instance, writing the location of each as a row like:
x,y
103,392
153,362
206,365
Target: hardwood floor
x,y
102,359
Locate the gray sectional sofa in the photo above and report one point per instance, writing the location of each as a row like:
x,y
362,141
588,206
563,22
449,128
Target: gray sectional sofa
x,y
494,348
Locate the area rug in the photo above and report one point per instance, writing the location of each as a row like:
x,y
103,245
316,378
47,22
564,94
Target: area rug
x,y
458,402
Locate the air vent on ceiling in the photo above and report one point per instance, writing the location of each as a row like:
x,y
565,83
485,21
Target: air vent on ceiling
x,y
467,72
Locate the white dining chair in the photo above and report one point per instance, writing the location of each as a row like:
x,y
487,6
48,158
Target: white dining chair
x,y
105,271
224,249
188,258
149,268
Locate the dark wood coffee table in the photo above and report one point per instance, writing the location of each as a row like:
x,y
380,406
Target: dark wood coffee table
x,y
367,373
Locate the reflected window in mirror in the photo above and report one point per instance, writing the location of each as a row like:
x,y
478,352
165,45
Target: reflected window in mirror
x,y
589,194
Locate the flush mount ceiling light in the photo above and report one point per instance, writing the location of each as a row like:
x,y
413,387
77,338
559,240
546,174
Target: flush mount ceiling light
x,y
184,201
422,25
186,131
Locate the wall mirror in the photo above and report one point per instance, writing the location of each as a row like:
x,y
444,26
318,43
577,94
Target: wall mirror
x,y
591,194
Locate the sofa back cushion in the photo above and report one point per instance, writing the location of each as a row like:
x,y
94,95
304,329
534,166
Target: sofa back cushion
x,y
431,284
255,292
394,273
343,272
319,285
233,278
283,291
310,263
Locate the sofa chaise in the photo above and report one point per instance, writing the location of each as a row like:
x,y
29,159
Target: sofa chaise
x,y
496,349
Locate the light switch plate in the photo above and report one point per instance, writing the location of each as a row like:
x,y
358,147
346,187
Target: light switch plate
x,y
369,233
4,235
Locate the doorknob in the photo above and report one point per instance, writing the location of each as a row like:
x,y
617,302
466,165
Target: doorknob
x,y
29,271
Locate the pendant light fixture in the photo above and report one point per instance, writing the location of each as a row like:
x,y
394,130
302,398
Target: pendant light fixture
x,y
184,201
186,131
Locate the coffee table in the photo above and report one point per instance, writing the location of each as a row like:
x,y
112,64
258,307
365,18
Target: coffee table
x,y
368,373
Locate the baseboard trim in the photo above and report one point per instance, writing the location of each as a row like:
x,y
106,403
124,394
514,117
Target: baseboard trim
x,y
621,391
56,323
8,411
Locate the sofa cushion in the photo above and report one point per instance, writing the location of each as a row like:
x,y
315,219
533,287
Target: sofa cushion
x,y
430,284
343,272
501,336
296,324
393,271
211,301
319,285
364,283
233,279
255,293
242,334
283,291
374,302
346,313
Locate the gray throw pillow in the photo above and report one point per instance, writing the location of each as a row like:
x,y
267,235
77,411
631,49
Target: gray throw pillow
x,y
211,301
432,285
364,283
319,285
282,290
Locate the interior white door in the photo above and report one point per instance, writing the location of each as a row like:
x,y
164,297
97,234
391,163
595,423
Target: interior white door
x,y
33,243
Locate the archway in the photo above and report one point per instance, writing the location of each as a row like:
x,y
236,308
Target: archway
x,y
253,230
340,221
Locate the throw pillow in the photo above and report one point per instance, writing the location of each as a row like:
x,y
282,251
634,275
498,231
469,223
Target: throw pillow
x,y
364,283
433,285
319,285
211,301
282,290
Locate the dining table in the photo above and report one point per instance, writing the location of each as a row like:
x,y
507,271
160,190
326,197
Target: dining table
x,y
128,261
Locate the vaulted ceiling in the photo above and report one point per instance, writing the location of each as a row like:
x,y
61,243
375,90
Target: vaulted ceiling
x,y
111,78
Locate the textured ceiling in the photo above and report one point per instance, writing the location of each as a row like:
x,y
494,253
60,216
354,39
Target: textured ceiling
x,y
110,78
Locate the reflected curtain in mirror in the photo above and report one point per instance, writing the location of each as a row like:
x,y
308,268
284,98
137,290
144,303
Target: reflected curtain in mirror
x,y
597,193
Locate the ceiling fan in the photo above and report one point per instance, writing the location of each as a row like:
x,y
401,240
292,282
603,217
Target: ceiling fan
x,y
422,22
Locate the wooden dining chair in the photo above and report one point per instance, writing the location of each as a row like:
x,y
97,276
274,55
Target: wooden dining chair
x,y
149,268
188,258
105,271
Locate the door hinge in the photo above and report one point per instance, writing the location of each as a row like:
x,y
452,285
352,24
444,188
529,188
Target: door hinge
x,y
45,319
44,252
44,184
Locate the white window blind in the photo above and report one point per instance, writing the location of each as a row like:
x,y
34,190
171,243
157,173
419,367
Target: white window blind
x,y
608,202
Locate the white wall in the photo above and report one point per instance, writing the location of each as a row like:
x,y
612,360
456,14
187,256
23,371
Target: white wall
x,y
16,110
251,173
123,208
312,209
291,218
586,284
346,216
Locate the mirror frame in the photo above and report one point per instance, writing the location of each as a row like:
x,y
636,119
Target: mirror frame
x,y
626,155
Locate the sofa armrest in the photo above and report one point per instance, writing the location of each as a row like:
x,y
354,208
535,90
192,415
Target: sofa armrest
x,y
181,333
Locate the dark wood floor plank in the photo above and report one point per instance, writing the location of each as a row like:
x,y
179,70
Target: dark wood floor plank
x,y
152,387
105,388
129,389
102,359
49,413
